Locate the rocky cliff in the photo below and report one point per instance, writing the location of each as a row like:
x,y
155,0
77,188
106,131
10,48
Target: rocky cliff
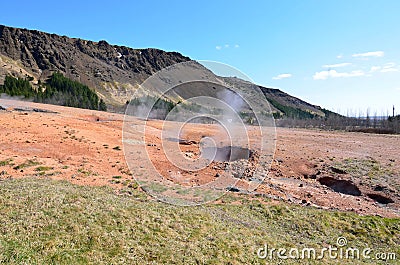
x,y
112,70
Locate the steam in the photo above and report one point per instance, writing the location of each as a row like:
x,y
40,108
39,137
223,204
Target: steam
x,y
10,101
234,131
234,100
148,107
5,96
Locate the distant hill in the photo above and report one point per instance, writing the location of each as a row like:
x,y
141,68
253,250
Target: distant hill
x,y
114,72
283,104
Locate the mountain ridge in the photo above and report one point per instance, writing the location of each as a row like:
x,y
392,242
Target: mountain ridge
x,y
110,69
113,71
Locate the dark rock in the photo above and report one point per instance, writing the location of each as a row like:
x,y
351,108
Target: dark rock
x,y
338,170
379,188
44,111
233,189
313,176
187,142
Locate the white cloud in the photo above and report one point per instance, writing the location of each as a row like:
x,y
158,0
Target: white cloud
x,y
374,69
226,46
336,65
340,56
281,76
389,69
389,65
334,74
369,54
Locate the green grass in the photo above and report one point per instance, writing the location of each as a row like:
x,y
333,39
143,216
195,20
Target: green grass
x,y
364,167
87,173
6,162
55,222
375,172
27,163
43,168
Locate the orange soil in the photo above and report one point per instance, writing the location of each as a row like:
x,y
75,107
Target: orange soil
x,y
85,148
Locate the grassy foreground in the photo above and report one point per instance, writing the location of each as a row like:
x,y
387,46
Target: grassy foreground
x,y
55,222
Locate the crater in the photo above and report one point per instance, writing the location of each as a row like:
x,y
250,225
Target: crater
x,y
226,153
380,198
339,185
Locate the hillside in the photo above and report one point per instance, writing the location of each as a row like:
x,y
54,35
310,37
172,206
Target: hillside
x,y
282,104
113,71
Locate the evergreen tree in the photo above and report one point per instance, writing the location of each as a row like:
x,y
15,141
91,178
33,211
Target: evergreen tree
x,y
102,105
17,87
58,90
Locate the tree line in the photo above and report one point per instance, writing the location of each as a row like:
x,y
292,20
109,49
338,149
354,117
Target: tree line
x,y
57,90
294,117
368,124
17,87
290,112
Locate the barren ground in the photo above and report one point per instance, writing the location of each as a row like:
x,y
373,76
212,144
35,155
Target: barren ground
x,y
333,170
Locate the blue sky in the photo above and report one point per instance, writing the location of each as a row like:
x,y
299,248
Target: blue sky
x,y
342,55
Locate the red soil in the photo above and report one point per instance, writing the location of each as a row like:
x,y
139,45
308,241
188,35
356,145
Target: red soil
x,y
85,147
